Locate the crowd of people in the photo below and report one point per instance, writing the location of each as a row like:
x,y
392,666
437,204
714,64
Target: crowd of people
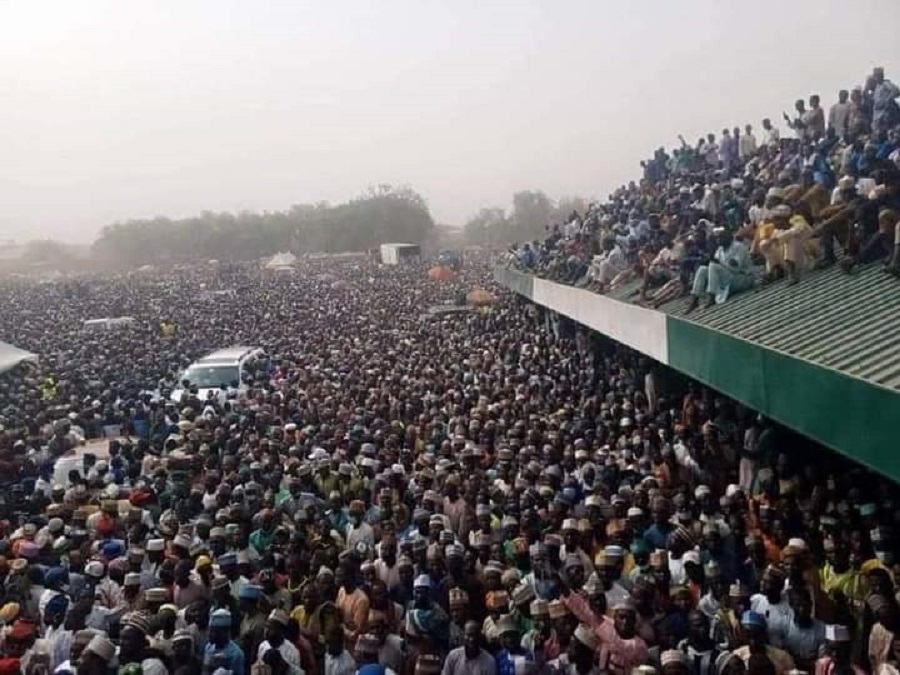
x,y
470,493
727,214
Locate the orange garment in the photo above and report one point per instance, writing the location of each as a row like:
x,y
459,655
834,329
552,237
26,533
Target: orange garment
x,y
772,549
663,475
354,610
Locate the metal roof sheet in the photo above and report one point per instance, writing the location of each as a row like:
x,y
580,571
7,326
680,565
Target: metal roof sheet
x,y
848,323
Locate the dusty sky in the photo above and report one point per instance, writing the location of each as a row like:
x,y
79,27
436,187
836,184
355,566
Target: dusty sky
x,y
113,109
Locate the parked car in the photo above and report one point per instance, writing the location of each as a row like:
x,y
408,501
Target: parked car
x,y
220,372
109,323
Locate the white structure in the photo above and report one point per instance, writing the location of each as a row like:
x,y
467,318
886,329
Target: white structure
x,y
11,356
109,323
219,372
394,254
282,261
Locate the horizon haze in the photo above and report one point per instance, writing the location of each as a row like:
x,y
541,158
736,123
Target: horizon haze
x,y
120,110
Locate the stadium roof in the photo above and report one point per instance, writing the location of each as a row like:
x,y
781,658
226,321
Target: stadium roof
x,y
821,357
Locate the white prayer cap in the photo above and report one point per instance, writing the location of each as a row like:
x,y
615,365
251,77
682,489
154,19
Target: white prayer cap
x,y
837,633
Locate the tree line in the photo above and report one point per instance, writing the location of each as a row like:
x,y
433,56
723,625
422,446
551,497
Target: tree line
x,y
383,214
532,211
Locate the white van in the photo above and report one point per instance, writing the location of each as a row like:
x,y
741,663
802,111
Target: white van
x,y
221,371
109,323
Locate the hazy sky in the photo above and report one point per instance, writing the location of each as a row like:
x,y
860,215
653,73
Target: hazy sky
x,y
112,109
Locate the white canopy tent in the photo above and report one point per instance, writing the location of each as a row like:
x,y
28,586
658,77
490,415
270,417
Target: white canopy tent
x,y
281,261
11,356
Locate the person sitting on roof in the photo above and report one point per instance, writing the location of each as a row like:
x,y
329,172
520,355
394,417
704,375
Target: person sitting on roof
x,y
730,271
876,222
606,266
785,244
889,219
663,268
834,221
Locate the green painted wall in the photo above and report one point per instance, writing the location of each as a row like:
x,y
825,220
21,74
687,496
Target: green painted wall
x,y
851,416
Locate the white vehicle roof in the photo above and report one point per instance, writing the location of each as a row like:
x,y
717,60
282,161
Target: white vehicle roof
x,y
74,459
228,355
110,321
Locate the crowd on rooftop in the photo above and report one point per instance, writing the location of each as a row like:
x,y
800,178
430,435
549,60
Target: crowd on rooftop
x,y
744,209
467,494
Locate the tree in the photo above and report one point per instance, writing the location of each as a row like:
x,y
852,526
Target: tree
x,y
566,205
45,251
532,212
382,214
488,226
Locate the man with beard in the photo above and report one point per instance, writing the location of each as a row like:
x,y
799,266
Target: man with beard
x,y
352,603
541,641
134,648
771,604
458,578
184,655
187,591
220,651
803,637
359,531
275,639
754,627
426,619
470,659
389,646
699,651
621,649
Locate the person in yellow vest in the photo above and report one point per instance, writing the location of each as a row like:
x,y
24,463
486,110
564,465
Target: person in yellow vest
x,y
168,328
48,388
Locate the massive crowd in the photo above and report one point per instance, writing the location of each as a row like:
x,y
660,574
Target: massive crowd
x,y
721,216
467,493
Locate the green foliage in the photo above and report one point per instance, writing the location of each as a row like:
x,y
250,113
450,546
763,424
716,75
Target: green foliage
x,y
532,211
47,251
382,214
488,226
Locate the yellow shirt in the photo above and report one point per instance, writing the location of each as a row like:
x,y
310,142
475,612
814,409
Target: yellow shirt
x,y
851,583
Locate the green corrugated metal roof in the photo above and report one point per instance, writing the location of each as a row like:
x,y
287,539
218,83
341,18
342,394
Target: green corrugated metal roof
x,y
850,324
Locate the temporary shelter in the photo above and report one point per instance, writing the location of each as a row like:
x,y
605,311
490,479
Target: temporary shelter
x,y
11,356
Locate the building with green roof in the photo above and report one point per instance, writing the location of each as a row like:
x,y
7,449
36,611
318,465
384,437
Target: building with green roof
x,y
821,357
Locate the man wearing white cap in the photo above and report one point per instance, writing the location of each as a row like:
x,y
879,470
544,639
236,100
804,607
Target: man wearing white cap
x,y
98,655
786,246
275,639
802,637
581,657
621,649
728,273
837,651
572,546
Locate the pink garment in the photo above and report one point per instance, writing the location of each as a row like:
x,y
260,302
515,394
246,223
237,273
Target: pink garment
x,y
617,655
825,666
